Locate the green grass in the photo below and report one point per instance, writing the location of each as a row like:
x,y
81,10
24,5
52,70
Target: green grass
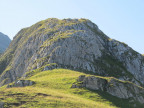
x,y
53,90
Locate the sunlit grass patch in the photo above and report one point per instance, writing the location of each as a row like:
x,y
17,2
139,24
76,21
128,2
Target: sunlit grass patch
x,y
52,89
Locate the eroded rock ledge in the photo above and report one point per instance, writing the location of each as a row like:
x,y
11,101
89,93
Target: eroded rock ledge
x,y
121,89
1,104
21,83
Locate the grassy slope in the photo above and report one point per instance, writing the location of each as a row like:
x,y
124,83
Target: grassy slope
x,y
53,89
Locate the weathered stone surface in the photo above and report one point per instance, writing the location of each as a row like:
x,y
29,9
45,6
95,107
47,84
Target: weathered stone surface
x,y
113,86
1,104
76,44
50,67
21,83
133,61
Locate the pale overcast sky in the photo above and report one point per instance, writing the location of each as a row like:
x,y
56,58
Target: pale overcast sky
x,y
122,20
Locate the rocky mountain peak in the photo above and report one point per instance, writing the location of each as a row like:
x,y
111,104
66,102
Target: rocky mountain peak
x,y
4,42
76,44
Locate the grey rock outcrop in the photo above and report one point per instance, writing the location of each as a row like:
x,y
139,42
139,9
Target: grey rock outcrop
x,y
4,42
112,86
76,44
50,67
21,83
133,61
1,104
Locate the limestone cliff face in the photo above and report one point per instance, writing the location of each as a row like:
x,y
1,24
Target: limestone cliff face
x,y
4,42
133,61
121,89
76,44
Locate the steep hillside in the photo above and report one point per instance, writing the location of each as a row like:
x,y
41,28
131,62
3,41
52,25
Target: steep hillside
x,y
4,42
76,44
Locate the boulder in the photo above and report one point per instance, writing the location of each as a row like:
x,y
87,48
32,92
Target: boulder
x,y
21,83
